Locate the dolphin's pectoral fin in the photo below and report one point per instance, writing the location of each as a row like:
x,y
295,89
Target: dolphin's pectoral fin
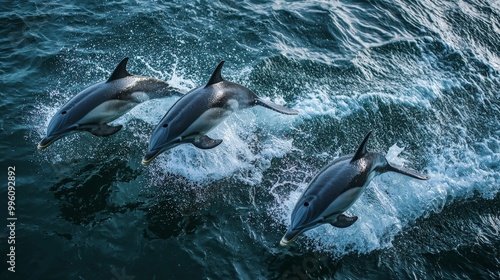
x,y
275,107
103,130
205,142
407,172
344,221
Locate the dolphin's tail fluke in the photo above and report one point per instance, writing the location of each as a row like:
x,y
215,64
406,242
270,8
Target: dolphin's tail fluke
x,y
407,172
275,107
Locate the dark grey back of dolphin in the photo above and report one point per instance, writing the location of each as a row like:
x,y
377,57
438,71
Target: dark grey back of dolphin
x,y
94,107
336,187
200,110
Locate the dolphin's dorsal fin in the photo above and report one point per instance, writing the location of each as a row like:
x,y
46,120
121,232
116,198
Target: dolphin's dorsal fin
x,y
120,71
362,148
216,76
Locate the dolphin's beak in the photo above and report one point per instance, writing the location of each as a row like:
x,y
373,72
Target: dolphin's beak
x,y
47,141
157,150
149,156
289,237
284,242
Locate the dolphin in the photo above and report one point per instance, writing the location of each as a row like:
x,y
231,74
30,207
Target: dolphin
x,y
199,111
336,188
94,107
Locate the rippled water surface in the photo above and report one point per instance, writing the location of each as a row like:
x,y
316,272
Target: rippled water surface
x,y
424,75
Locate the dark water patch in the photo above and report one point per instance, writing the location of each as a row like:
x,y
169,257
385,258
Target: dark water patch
x,y
176,208
85,195
457,225
167,220
460,241
305,265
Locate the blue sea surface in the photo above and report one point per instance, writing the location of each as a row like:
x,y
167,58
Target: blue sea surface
x,y
424,75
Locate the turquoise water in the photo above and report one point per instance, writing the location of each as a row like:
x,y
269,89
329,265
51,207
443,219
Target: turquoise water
x,y
423,74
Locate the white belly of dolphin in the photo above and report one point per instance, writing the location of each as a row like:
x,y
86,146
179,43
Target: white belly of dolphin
x,y
207,121
343,201
108,111
139,96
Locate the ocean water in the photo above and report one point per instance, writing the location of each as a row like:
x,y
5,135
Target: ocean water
x,y
424,75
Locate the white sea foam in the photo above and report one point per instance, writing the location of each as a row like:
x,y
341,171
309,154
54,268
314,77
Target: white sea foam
x,y
320,101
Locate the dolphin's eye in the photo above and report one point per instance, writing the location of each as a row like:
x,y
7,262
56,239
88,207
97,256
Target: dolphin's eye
x,y
306,204
63,112
165,125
